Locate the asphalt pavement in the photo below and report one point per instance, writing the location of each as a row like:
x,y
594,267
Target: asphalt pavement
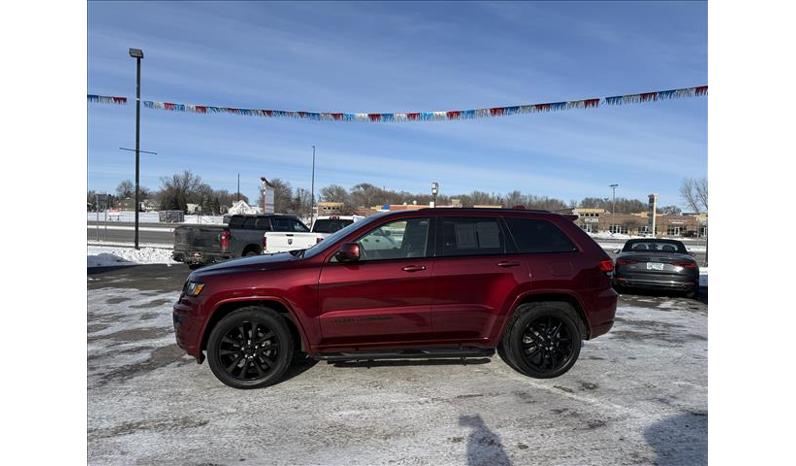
x,y
637,395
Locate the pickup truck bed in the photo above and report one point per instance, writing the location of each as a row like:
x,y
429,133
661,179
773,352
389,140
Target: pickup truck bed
x,y
195,244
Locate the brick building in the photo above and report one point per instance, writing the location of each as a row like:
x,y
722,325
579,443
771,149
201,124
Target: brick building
x,y
601,220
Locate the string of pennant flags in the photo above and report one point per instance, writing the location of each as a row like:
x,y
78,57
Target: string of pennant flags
x,y
417,116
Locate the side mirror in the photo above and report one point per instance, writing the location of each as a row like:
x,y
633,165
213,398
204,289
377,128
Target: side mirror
x,y
349,252
617,251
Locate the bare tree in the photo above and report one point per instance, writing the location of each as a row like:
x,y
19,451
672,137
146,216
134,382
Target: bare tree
x,y
695,193
125,189
176,192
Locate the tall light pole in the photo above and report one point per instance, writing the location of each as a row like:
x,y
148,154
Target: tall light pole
x,y
312,195
434,192
138,54
613,202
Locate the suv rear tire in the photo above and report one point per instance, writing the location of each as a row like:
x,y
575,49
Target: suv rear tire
x,y
250,348
543,339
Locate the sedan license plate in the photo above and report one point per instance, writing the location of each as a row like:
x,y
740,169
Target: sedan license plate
x,y
654,266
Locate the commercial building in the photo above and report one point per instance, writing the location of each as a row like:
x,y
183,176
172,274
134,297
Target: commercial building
x,y
601,220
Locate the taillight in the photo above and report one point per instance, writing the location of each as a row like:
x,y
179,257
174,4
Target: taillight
x,y
224,241
607,266
625,261
686,264
318,240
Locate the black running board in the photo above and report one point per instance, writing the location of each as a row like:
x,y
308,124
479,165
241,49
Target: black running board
x,y
449,353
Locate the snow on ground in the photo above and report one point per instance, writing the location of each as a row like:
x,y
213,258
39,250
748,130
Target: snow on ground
x,y
106,256
637,395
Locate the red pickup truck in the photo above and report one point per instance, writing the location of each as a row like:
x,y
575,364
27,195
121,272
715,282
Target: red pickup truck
x,y
430,283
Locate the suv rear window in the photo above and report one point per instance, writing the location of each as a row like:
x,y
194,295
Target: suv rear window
x,y
330,225
287,224
538,236
470,236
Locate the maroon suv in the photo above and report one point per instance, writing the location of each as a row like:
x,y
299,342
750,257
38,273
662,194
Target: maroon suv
x,y
430,283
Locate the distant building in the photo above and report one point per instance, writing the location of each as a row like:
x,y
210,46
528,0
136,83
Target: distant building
x,y
329,208
601,220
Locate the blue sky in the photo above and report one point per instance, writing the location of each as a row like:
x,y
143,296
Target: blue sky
x,y
399,56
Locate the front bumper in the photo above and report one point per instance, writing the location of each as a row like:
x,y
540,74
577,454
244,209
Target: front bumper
x,y
187,328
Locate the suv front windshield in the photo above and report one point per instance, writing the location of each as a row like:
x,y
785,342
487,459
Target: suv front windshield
x,y
334,237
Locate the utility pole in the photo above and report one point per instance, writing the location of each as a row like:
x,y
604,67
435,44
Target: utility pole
x,y
434,192
312,195
138,54
613,202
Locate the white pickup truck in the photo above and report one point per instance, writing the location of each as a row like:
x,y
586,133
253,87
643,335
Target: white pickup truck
x,y
274,241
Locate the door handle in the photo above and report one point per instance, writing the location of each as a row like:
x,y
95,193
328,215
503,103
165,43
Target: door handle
x,y
414,268
508,264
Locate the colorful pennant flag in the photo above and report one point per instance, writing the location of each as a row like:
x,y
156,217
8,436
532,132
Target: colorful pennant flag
x,y
419,116
107,99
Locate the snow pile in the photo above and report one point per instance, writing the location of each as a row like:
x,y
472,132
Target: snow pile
x,y
204,219
104,256
124,216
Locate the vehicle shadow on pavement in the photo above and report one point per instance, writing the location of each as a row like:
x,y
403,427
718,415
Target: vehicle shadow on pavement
x,y
483,446
412,362
680,440
300,364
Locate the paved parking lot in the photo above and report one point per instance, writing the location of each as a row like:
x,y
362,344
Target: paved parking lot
x,y
636,396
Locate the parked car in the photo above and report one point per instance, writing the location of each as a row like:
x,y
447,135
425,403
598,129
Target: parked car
x,y
322,227
454,283
198,245
656,264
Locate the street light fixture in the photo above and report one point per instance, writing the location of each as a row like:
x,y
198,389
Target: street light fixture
x,y
138,54
613,202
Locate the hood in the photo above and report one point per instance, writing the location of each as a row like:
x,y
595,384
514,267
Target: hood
x,y
247,264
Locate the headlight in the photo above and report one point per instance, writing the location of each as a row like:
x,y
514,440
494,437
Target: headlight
x,y
193,289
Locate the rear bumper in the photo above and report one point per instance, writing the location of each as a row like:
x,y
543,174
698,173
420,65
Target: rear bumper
x,y
197,257
658,281
601,316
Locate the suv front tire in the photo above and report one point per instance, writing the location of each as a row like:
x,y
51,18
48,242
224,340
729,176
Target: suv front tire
x,y
250,348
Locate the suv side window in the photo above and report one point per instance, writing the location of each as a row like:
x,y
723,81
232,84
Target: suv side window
x,y
400,239
475,236
532,235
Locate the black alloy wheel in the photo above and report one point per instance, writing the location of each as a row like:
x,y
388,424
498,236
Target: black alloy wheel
x,y
250,348
543,339
546,344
